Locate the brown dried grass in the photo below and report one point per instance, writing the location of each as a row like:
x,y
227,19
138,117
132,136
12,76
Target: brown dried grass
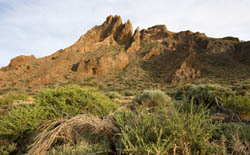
x,y
67,131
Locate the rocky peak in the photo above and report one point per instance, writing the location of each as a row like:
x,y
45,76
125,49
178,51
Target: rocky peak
x,y
110,19
125,35
158,28
111,28
154,33
20,61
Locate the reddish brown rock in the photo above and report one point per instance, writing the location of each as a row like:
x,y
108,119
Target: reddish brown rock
x,y
136,42
152,52
154,33
2,74
108,51
188,70
125,35
112,27
103,65
21,61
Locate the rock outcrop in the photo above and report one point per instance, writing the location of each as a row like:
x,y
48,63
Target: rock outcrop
x,y
20,62
188,70
102,65
136,42
111,28
111,51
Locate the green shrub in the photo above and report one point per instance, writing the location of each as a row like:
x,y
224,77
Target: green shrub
x,y
113,95
229,129
72,100
51,104
240,104
161,133
242,89
235,137
209,94
181,91
10,98
21,120
7,149
129,93
152,98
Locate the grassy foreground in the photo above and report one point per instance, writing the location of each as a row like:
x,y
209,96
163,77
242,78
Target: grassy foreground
x,y
193,119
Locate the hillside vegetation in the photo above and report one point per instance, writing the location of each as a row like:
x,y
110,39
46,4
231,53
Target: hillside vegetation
x,y
194,119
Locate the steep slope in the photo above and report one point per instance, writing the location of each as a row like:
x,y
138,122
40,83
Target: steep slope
x,y
112,56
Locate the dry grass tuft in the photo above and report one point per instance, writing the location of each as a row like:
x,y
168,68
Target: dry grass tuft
x,y
66,131
238,146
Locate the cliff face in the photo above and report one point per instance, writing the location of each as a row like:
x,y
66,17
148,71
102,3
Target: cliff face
x,y
113,52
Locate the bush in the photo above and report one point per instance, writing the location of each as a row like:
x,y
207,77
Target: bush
x,y
229,129
152,98
240,104
10,98
161,133
7,149
129,93
21,121
113,95
72,100
209,94
51,104
235,137
242,89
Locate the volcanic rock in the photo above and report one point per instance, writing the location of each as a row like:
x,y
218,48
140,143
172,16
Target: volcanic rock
x,y
110,54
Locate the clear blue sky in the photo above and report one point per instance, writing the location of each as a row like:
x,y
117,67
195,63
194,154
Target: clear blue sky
x,y
41,27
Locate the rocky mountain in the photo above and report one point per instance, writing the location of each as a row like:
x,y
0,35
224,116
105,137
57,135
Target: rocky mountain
x,y
112,56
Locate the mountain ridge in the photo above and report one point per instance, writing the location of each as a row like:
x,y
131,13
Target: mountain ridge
x,y
112,55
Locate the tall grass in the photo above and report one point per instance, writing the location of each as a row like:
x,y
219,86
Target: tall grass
x,y
178,132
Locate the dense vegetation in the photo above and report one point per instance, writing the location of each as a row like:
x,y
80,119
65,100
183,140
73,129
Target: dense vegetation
x,y
11,97
196,119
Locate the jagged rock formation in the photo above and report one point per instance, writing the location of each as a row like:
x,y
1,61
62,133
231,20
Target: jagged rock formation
x,y
112,52
112,30
135,42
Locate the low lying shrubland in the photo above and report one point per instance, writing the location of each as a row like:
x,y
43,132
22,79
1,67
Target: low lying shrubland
x,y
75,120
50,104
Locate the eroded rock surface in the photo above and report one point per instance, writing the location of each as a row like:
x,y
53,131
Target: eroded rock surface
x,y
112,48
